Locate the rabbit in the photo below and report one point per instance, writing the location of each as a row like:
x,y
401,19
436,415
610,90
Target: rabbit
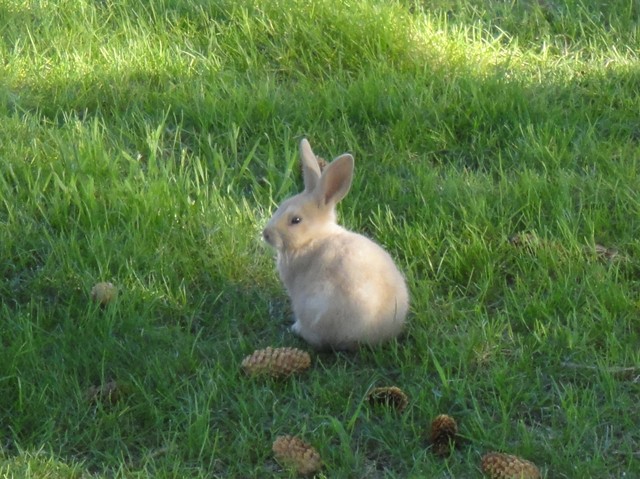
x,y
345,290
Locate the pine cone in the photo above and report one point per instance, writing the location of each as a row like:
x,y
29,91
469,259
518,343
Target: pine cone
x,y
444,430
103,293
505,466
293,452
108,393
276,362
605,253
529,241
389,396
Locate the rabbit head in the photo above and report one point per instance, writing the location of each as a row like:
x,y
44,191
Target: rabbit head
x,y
311,214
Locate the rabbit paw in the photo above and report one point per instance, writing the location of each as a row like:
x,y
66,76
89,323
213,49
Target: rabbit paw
x,y
295,328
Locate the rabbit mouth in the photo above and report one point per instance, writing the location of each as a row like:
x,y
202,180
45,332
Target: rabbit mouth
x,y
270,238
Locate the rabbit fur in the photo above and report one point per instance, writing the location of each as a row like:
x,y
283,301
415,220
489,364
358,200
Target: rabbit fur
x,y
345,289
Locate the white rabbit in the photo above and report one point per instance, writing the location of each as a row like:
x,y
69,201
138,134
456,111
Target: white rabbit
x,y
345,289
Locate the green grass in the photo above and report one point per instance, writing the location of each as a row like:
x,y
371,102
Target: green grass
x,y
146,143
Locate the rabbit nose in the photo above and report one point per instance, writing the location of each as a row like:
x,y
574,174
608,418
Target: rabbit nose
x,y
265,235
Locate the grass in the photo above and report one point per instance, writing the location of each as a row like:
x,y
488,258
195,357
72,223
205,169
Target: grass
x,y
147,144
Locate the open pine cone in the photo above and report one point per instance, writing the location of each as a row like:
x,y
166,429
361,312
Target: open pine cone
x,y
276,362
103,293
505,466
293,452
388,396
605,253
444,430
108,393
526,240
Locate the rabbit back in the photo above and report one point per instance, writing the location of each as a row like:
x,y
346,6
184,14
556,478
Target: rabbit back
x,y
345,290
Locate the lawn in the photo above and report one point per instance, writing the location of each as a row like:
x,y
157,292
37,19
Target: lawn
x,y
146,144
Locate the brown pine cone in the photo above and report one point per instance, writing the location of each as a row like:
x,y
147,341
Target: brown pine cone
x,y
103,293
444,430
108,393
389,396
605,253
293,452
505,466
526,240
276,362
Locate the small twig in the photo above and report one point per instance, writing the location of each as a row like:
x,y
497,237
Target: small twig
x,y
158,452
615,370
626,454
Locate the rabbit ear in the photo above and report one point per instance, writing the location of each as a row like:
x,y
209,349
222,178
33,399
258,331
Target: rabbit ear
x,y
336,180
310,167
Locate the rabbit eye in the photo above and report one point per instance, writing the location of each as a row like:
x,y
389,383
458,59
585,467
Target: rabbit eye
x,y
295,220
